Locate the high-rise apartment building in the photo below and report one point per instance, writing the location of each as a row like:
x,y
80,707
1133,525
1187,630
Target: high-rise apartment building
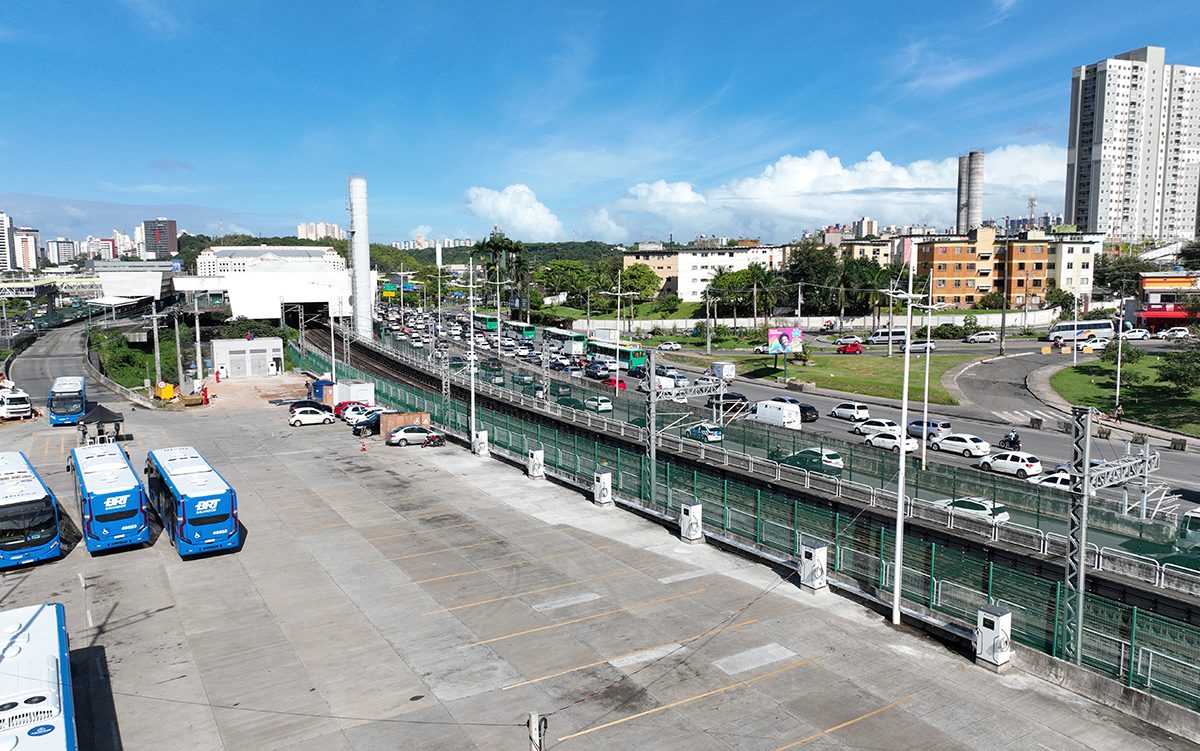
x,y
7,262
162,239
27,249
1133,148
61,250
320,231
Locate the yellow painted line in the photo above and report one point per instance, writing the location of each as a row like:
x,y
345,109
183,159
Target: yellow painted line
x,y
690,699
593,616
332,526
577,668
496,568
846,724
535,591
464,547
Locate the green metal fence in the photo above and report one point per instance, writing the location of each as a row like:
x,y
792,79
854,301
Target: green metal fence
x,y
1143,650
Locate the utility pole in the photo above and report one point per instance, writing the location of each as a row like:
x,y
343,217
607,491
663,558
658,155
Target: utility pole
x,y
754,302
200,356
708,323
892,315
157,357
589,311
652,425
179,355
1120,349
799,301
1074,342
1025,300
1004,298
1077,513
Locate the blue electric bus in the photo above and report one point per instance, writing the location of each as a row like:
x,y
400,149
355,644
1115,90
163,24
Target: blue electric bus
x,y
28,514
112,501
197,508
67,402
37,712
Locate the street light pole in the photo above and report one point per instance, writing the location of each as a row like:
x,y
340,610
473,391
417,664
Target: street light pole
x,y
925,408
1120,350
900,482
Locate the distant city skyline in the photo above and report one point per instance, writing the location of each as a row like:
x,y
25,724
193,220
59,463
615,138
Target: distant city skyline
x,y
618,122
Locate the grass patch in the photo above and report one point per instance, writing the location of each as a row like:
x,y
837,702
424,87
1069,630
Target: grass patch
x,y
1152,402
854,374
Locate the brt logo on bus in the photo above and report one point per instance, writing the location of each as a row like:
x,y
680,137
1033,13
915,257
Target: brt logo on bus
x,y
115,502
204,507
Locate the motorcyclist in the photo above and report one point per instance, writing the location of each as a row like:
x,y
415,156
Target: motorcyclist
x,y
1013,439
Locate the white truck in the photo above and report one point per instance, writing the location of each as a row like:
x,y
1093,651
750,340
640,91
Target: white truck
x,y
14,403
779,414
723,370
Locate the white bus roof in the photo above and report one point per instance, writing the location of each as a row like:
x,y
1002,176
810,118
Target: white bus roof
x,y
29,660
18,483
563,332
104,468
190,472
67,383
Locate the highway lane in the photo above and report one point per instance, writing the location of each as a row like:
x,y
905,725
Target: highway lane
x,y
57,352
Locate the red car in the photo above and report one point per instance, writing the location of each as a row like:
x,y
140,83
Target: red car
x,y
340,407
854,348
615,383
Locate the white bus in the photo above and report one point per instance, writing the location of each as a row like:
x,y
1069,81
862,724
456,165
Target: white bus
x,y
1080,331
38,711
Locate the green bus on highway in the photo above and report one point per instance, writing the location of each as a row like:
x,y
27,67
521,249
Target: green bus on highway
x,y
629,354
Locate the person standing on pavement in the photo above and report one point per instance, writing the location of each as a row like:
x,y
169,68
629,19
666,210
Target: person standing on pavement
x,y
1120,412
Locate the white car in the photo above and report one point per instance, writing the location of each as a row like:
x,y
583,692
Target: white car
x,y
406,434
891,442
1135,334
365,416
1175,332
762,349
309,416
1060,480
961,443
1012,463
875,425
353,412
918,347
974,506
670,347
708,380
982,337
598,404
851,339
1096,342
851,411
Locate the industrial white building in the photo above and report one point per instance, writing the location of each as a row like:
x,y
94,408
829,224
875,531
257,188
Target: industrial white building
x,y
1133,148
241,358
236,259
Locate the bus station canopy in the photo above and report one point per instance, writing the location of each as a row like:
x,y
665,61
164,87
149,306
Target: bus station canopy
x,y
109,301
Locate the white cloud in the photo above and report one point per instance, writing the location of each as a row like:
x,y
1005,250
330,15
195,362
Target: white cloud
x,y
424,230
799,192
601,226
517,210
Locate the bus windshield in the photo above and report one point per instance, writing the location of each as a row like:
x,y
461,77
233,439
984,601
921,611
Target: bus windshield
x,y
27,524
66,404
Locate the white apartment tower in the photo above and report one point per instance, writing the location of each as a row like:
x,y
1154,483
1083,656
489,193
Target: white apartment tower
x,y
1133,148
7,261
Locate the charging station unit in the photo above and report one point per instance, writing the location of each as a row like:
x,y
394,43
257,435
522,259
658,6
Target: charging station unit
x,y
535,463
479,443
813,564
602,489
691,523
993,638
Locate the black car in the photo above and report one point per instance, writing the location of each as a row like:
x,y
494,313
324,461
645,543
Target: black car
x,y
808,413
491,364
310,403
730,399
560,389
637,372
369,427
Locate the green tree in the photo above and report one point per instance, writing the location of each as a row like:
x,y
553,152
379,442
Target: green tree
x,y
993,300
1123,271
1189,255
1057,297
641,279
667,304
1181,368
1129,353
970,324
816,266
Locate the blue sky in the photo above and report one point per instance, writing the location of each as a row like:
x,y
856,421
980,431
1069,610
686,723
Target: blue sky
x,y
616,121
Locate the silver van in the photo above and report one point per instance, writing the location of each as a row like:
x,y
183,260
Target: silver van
x,y
883,336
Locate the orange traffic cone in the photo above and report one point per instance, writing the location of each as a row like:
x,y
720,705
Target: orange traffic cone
x,y
363,449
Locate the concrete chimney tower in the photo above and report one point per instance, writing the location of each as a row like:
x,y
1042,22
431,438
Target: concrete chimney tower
x,y
964,187
360,258
975,194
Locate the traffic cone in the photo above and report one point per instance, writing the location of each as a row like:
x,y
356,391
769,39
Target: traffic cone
x,y
363,448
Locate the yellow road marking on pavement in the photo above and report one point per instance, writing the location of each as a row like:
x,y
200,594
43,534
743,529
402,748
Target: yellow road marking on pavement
x,y
464,547
535,591
515,564
846,724
577,668
528,631
691,699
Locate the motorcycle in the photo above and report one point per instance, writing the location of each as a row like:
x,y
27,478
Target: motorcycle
x,y
433,439
1013,445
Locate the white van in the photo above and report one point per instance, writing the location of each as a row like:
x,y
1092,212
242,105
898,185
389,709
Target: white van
x,y
883,336
779,414
14,402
